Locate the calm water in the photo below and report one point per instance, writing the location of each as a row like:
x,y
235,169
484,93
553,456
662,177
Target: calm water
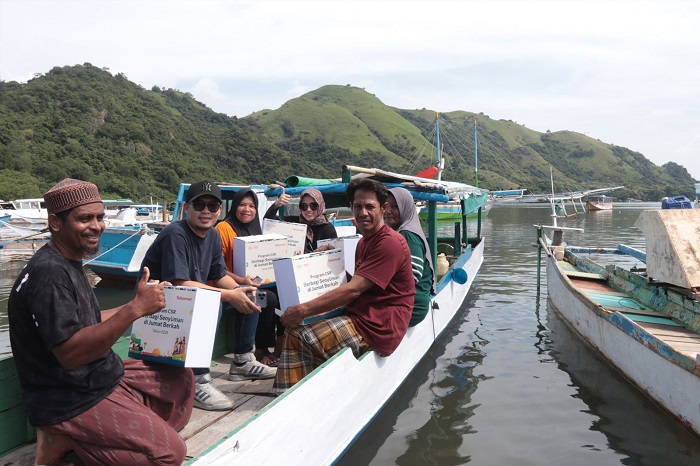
x,y
508,383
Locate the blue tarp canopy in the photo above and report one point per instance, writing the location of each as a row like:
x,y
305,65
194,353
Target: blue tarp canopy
x,y
423,189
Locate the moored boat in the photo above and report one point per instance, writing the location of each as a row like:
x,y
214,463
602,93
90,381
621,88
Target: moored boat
x,y
595,203
676,202
348,391
645,321
26,210
453,211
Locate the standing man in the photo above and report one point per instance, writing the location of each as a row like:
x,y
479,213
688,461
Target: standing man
x,y
188,253
379,297
76,390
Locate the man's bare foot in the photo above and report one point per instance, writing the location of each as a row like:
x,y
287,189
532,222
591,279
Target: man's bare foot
x,y
50,448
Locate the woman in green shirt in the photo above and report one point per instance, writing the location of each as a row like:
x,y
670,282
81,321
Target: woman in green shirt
x,y
401,216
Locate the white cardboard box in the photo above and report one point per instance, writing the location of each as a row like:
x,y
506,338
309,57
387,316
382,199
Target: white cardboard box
x,y
308,276
348,244
295,233
180,334
253,255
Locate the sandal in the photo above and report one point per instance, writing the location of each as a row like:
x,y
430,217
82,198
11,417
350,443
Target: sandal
x,y
268,359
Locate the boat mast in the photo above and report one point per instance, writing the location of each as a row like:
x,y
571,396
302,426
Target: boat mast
x,y
476,157
440,162
551,201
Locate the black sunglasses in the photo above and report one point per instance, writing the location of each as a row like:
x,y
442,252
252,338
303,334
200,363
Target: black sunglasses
x,y
213,206
303,206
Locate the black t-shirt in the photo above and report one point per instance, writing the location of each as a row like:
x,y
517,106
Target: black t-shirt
x,y
50,301
179,254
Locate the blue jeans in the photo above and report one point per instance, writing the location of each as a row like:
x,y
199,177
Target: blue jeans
x,y
244,326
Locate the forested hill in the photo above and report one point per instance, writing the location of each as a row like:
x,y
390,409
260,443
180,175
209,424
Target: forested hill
x,y
83,122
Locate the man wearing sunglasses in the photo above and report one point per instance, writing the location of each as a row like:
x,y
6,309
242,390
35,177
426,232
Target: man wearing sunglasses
x,y
188,253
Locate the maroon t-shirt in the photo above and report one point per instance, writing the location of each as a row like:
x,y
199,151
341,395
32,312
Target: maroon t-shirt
x,y
381,314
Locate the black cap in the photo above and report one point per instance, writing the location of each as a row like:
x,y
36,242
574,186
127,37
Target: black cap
x,y
203,188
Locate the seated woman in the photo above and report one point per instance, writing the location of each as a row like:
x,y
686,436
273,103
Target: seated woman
x,y
242,220
311,205
401,216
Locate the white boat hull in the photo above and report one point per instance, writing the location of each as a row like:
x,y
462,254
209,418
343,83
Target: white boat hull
x,y
318,419
631,350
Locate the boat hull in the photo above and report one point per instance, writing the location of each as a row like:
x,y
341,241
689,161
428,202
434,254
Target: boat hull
x,y
452,212
291,423
643,359
598,206
122,250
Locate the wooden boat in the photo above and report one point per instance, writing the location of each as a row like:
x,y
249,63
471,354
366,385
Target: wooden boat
x,y
264,429
676,202
595,203
644,321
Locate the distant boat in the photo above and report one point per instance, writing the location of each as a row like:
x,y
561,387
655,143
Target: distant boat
x,y
26,210
676,202
599,203
453,211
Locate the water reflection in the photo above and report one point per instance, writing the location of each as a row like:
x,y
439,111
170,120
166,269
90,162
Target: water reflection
x,y
630,421
429,416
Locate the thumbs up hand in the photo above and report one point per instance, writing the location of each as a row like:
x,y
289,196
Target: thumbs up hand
x,y
283,199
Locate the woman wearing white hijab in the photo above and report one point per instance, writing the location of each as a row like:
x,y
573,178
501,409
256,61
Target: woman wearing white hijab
x,y
401,216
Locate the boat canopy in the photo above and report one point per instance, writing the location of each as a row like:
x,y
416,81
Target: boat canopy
x,y
425,189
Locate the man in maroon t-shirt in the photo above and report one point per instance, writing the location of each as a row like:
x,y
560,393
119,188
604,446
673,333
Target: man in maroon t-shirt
x,y
379,297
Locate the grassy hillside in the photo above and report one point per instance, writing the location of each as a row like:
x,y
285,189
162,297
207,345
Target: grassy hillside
x,y
83,122
349,119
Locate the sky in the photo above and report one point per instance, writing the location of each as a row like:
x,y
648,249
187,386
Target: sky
x,y
624,72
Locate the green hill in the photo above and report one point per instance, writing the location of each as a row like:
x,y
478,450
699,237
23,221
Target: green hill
x,y
83,122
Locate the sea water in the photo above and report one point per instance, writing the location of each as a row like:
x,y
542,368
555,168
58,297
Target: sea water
x,y
508,383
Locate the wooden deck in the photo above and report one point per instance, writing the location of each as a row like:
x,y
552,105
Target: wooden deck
x,y
675,335
205,427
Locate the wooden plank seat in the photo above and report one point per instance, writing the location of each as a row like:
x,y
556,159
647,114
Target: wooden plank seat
x,y
205,427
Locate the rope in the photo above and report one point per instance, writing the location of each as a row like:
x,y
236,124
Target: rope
x,y
40,232
140,231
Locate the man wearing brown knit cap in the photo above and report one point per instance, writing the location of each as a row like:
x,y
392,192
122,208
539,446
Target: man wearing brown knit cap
x,y
76,390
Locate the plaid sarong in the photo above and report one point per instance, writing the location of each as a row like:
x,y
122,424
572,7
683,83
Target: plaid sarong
x,y
137,423
306,347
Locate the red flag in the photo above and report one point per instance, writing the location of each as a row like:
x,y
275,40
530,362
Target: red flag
x,y
429,172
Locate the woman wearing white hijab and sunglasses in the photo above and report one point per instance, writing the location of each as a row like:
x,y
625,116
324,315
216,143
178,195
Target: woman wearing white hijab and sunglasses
x,y
311,206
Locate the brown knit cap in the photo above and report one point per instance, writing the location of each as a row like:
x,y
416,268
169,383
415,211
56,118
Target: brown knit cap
x,y
70,193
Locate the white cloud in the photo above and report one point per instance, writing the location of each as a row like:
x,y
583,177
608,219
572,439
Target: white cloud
x,y
621,71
